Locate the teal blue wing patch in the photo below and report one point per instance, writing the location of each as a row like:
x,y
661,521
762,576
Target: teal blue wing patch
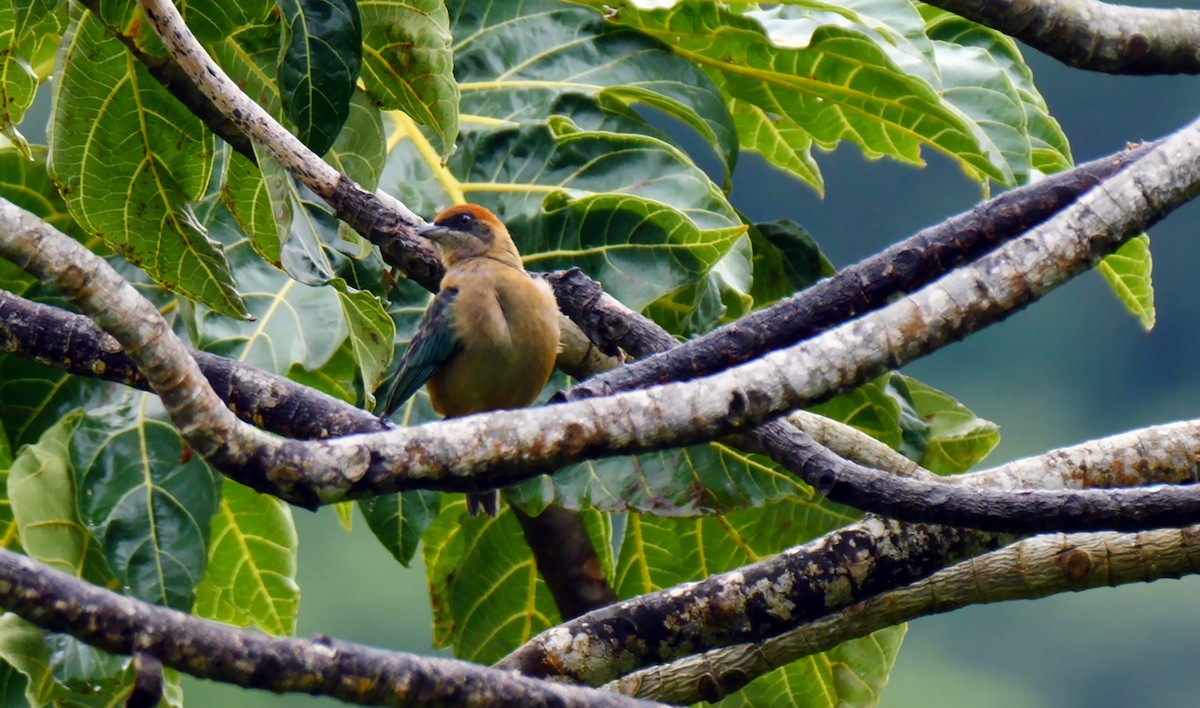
x,y
433,345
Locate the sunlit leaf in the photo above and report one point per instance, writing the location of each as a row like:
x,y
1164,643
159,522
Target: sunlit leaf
x,y
835,81
251,577
1127,271
514,60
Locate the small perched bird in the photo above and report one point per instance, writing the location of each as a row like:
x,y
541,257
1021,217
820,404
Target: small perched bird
x,y
489,338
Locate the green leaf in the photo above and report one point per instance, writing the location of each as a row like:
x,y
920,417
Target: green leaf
x,y
251,578
494,598
513,60
25,182
779,139
870,409
702,479
345,515
214,20
23,647
27,29
955,438
408,64
658,552
297,323
399,520
834,81
574,197
131,160
319,67
41,489
1127,271
786,260
853,673
959,40
360,150
33,397
84,669
294,323
150,510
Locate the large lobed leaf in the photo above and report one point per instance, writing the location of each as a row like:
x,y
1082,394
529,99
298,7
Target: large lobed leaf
x,y
149,509
131,160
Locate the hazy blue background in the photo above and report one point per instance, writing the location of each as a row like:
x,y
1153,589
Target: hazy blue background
x,y
1071,368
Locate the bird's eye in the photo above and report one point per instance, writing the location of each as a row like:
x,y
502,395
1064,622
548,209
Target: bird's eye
x,y
464,220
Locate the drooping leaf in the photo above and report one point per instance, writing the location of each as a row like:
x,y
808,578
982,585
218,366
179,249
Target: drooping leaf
x,y
786,260
956,439
41,489
149,509
304,320
131,160
319,67
399,520
1127,271
408,64
251,577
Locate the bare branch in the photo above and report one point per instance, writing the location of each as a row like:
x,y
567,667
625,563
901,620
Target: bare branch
x,y
1030,569
120,624
1097,36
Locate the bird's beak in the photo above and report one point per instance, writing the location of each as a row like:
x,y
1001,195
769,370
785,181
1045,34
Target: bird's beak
x,y
433,232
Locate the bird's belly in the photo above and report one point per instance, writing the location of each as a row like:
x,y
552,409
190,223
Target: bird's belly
x,y
484,378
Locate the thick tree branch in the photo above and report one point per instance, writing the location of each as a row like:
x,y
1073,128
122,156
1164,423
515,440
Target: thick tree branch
x,y
506,447
1030,569
1086,34
284,407
120,624
782,593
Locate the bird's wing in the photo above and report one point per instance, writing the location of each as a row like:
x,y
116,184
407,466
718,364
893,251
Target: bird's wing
x,y
433,344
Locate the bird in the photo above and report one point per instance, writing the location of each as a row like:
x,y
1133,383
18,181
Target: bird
x,y
489,339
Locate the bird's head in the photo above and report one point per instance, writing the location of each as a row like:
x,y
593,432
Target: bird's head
x,y
469,231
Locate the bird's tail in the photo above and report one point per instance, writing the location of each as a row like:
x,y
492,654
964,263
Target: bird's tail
x,y
486,502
